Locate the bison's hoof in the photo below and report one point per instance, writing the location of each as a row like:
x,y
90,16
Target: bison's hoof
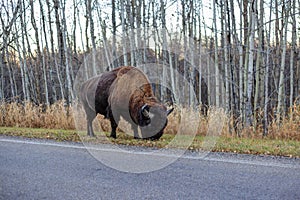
x,y
113,136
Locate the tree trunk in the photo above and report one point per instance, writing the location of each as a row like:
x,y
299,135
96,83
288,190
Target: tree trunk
x,y
281,96
293,50
259,61
92,34
124,42
226,60
52,57
266,103
60,45
47,54
69,91
39,56
114,32
249,109
216,61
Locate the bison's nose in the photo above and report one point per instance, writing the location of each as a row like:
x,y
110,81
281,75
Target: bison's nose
x,y
147,122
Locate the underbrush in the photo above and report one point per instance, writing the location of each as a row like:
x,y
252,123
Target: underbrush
x,y
55,116
183,120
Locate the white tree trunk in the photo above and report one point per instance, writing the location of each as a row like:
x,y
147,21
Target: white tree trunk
x,y
249,109
281,96
293,49
67,64
124,41
216,64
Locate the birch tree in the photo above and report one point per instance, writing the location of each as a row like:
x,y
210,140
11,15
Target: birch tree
x,y
89,13
259,61
216,60
38,49
249,111
226,56
69,91
45,77
52,58
60,46
6,31
124,42
266,78
24,70
114,33
281,97
293,50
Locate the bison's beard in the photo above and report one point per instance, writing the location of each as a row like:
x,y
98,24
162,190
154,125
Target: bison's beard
x,y
157,135
158,121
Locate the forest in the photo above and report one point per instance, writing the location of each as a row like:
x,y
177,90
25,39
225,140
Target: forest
x,y
242,56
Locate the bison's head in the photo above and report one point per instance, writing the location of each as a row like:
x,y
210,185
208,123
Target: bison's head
x,y
148,113
152,118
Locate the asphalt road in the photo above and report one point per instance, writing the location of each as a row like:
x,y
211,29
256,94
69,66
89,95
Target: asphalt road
x,y
33,169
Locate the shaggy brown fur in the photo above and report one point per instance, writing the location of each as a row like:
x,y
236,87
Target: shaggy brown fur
x,y
126,92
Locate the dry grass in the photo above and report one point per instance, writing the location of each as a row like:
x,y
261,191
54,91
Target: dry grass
x,y
289,128
55,116
183,121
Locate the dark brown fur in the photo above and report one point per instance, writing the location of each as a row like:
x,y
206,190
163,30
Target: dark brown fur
x,y
126,92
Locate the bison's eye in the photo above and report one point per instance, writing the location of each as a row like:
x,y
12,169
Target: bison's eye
x,y
148,121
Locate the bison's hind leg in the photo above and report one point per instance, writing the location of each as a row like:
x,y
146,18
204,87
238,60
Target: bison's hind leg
x,y
90,116
90,130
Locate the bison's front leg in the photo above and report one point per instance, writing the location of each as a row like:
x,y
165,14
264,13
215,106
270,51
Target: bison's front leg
x,y
114,125
135,132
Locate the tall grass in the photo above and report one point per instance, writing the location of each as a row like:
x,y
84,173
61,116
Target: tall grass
x,y
55,116
60,116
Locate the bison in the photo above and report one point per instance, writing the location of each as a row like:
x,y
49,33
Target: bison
x,y
124,92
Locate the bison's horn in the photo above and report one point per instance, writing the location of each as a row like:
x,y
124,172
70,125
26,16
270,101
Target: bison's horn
x,y
169,111
145,110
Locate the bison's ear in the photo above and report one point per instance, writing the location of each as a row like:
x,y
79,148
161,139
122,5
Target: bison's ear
x,y
145,110
169,111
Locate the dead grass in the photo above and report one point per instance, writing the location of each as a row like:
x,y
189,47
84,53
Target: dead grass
x,y
289,128
63,123
183,120
55,116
